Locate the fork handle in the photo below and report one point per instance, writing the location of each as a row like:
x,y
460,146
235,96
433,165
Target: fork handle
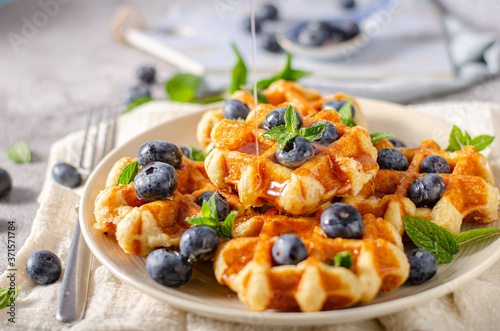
x,y
75,284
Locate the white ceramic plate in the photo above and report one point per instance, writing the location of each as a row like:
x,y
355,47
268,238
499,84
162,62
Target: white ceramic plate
x,y
205,296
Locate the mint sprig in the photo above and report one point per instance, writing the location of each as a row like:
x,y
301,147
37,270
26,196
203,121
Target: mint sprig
x,y
20,153
379,136
342,259
210,218
183,87
288,73
137,102
283,134
128,174
239,73
471,236
196,154
345,113
7,295
459,140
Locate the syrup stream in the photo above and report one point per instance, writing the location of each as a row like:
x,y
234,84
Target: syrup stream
x,y
254,81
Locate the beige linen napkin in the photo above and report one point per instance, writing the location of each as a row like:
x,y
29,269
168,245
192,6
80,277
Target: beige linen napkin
x,y
114,305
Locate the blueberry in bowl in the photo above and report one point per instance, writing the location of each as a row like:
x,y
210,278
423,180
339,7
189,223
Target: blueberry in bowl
x,y
159,151
295,153
392,159
314,34
423,266
435,164
169,268
234,109
222,206
288,249
342,220
277,117
426,191
336,104
155,181
199,241
330,135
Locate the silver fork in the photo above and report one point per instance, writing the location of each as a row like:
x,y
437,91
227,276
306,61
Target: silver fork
x,y
74,289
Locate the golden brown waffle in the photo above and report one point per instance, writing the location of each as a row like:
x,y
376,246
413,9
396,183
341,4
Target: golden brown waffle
x,y
470,194
139,226
246,266
340,169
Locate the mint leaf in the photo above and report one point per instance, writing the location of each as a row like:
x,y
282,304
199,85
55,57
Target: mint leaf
x,y
213,207
183,87
291,120
226,228
275,133
196,154
6,294
459,140
313,132
239,71
261,98
378,136
345,113
205,210
429,236
481,142
20,153
287,74
468,237
128,174
285,139
209,218
199,220
342,259
137,102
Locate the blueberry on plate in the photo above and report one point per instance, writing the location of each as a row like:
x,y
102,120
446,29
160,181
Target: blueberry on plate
x,y
423,266
435,164
146,75
330,135
348,4
277,117
288,249
342,220
234,109
185,151
392,159
168,268
314,34
66,175
336,104
396,142
155,181
269,42
268,12
199,241
297,152
222,206
159,151
133,93
43,267
5,183
426,191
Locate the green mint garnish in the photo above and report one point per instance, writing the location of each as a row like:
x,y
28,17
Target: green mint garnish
x,y
6,294
378,136
429,236
283,134
239,72
196,154
261,98
128,174
342,259
288,73
210,218
183,87
345,113
459,140
20,153
137,102
468,237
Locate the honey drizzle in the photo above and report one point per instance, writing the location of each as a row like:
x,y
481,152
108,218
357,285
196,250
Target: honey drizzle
x,y
254,81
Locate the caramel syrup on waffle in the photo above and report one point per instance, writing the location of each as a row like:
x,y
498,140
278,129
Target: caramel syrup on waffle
x,y
254,82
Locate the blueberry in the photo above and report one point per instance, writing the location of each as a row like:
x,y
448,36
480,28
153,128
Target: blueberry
x,y
342,220
234,109
347,29
5,183
425,191
336,104
277,117
295,153
396,142
392,159
168,268
314,34
184,150
348,4
330,135
247,24
66,175
135,92
222,206
43,267
155,181
268,12
146,75
199,241
269,42
423,266
288,249
159,151
435,164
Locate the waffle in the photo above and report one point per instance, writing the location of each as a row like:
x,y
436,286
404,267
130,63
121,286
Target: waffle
x,y
470,194
139,226
340,169
246,266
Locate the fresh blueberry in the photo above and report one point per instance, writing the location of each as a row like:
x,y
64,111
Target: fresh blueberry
x,y
348,4
234,109
347,29
269,42
336,104
155,181
159,151
247,24
135,92
392,159
268,12
425,191
277,117
288,249
43,267
342,220
146,75
314,34
435,164
199,241
423,266
330,135
184,150
66,175
295,153
396,142
168,268
222,206
5,183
